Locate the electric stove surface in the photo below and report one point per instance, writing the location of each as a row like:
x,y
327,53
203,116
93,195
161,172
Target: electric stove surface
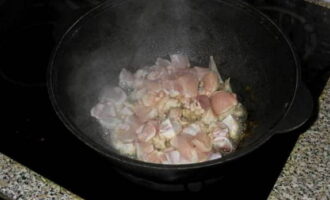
x,y
32,134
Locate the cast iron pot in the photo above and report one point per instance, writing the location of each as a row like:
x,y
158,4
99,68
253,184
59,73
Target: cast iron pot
x,y
247,46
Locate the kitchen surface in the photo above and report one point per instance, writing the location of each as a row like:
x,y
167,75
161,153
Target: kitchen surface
x,y
293,165
306,174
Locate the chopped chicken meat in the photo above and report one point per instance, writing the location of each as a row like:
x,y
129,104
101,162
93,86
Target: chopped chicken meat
x,y
172,113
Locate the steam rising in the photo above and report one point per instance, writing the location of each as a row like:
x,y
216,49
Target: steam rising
x,y
131,35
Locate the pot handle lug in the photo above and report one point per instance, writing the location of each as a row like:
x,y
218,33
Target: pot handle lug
x,y
299,113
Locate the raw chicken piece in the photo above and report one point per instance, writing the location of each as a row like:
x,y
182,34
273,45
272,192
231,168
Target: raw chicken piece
x,y
141,74
179,61
200,146
127,110
174,115
189,85
156,157
177,126
221,130
192,129
138,83
151,98
210,83
203,156
140,78
146,132
132,121
183,144
222,101
137,94
115,95
109,124
153,86
174,71
104,111
157,72
126,79
173,157
204,101
145,113
171,87
171,103
160,107
200,72
202,142
223,144
233,127
124,131
143,149
106,115
166,129
162,62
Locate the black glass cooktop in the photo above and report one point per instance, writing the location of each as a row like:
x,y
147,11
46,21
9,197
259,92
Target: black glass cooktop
x,y
32,134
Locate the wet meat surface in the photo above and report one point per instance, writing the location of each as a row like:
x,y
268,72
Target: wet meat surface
x,y
172,113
